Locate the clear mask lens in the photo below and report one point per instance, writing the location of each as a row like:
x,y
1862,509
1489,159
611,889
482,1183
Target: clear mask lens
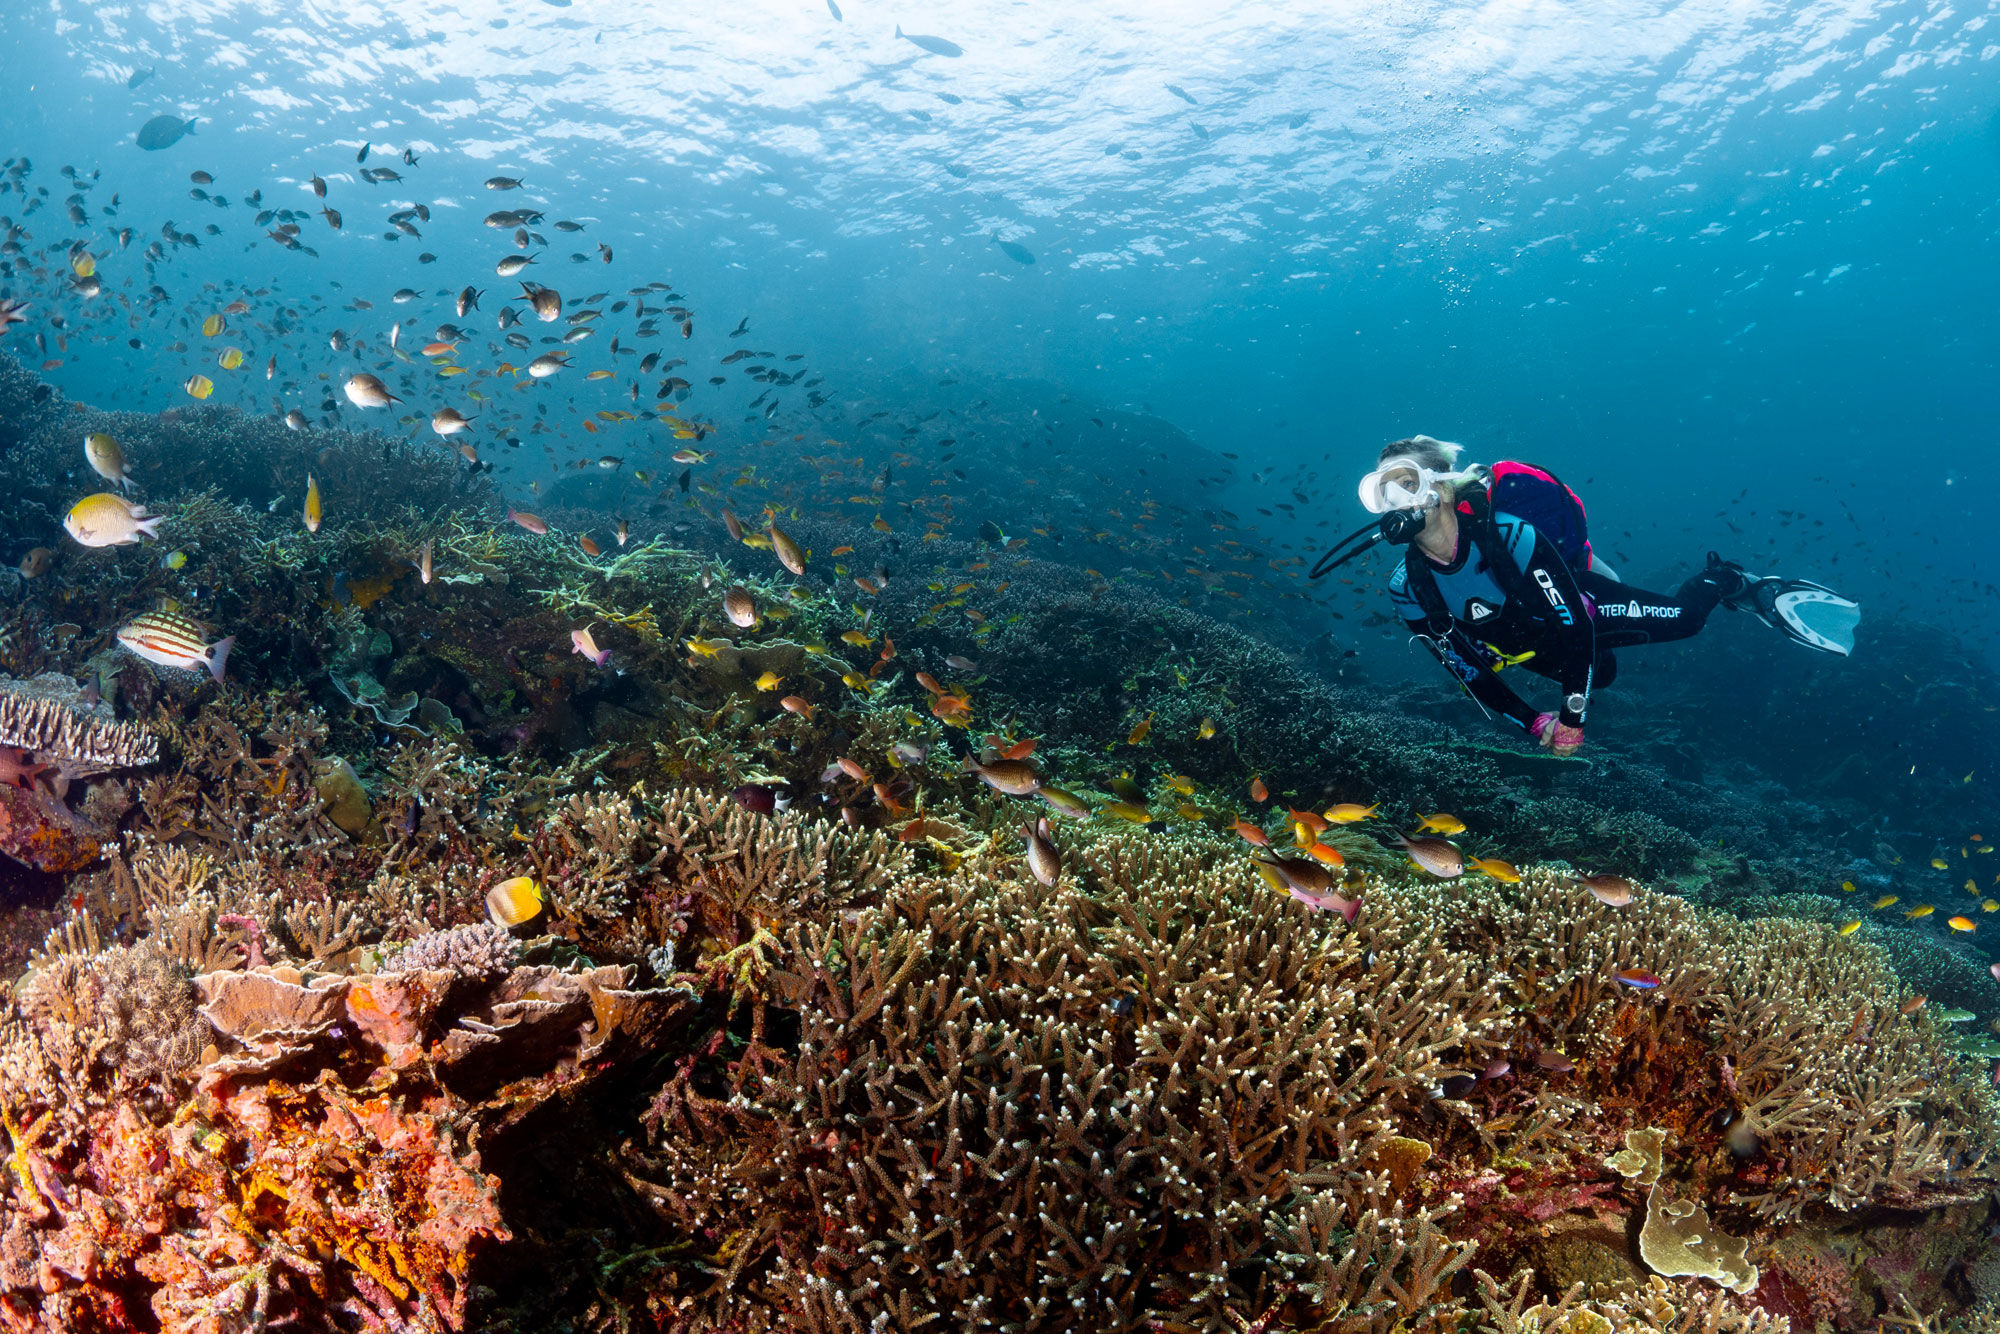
x,y
1399,484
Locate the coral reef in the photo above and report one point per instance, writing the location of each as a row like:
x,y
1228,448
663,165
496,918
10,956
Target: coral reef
x,y
802,1037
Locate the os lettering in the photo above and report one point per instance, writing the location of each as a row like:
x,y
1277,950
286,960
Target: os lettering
x,y
1563,612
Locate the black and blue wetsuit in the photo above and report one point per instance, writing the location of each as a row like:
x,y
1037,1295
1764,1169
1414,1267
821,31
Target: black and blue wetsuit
x,y
1536,612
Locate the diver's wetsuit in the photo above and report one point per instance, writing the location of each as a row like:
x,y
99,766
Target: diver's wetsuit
x,y
1566,624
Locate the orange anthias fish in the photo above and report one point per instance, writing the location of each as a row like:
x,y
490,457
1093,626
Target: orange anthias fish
x,y
1140,730
1250,833
1258,792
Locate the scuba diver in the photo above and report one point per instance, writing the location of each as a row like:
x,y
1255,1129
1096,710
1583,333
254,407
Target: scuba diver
x,y
1499,572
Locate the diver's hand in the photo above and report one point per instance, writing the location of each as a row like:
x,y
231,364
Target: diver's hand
x,y
1555,737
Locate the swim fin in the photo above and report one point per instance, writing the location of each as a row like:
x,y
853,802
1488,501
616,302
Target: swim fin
x,y
1803,612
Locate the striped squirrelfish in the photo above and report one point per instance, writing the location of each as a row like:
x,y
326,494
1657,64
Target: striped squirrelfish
x,y
169,639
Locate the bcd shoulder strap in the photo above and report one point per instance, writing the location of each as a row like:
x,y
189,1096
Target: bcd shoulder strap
x,y
1487,546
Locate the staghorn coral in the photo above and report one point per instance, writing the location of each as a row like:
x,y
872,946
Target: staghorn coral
x,y
970,1131
1756,1018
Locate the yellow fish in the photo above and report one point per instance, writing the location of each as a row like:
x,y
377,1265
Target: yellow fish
x,y
1126,810
1989,905
1181,784
106,458
1847,886
1137,736
313,509
854,681
707,648
1348,812
1921,910
1885,901
105,520
1206,730
769,681
856,638
198,386
1851,927
1188,812
1442,823
1940,863
212,326
231,358
600,375
512,902
1504,872
84,263
1962,924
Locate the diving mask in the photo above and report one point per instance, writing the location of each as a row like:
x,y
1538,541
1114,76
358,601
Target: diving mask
x,y
1404,484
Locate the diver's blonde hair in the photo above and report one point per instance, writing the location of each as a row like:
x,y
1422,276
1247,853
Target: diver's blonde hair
x,y
1428,451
